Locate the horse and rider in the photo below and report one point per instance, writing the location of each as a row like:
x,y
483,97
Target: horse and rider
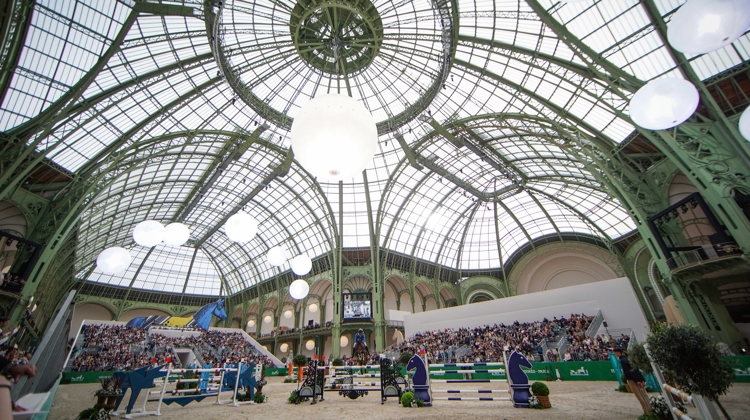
x,y
360,351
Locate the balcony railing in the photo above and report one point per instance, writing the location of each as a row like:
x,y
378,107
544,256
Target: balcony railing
x,y
703,254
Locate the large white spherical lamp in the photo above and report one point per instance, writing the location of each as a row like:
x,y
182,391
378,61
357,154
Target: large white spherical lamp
x,y
745,124
313,308
148,233
241,227
663,103
287,314
267,319
344,341
310,344
113,260
334,137
299,289
301,264
250,324
284,347
702,26
176,234
277,256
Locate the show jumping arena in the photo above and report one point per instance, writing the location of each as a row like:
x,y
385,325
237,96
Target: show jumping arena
x,y
578,400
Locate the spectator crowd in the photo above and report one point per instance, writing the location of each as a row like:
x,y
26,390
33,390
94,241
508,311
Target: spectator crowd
x,y
115,347
487,343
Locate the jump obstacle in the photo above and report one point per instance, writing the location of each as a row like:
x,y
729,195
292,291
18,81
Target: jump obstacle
x,y
342,379
227,378
518,383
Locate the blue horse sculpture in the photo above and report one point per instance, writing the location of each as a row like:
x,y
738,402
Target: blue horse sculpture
x,y
201,319
419,380
519,382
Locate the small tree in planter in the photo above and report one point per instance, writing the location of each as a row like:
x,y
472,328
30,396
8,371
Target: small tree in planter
x,y
300,361
540,390
690,361
338,362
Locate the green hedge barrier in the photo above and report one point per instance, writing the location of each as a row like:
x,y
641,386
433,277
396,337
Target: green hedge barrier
x,y
569,371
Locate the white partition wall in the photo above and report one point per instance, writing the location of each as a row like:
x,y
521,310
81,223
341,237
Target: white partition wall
x,y
615,298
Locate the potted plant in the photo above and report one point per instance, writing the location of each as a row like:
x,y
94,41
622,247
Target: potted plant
x,y
106,396
300,361
541,392
689,360
338,362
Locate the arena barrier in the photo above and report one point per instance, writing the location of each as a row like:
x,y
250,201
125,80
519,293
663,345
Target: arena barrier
x,y
228,378
518,383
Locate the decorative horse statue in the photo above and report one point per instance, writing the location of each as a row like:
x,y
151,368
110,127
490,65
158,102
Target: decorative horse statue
x,y
519,382
360,354
201,319
419,380
398,336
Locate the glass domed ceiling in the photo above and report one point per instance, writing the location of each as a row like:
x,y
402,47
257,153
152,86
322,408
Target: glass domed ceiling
x,y
180,110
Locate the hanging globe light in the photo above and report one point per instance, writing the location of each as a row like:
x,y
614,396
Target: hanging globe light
x,y
745,124
344,341
334,137
113,260
284,347
267,319
148,233
702,26
287,314
250,323
277,256
299,289
301,264
310,344
176,234
663,103
312,308
241,227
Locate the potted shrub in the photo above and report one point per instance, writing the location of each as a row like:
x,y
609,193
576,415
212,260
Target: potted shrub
x,y
541,392
300,361
338,362
407,398
106,396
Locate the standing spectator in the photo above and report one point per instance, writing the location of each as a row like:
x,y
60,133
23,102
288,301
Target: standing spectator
x,y
636,382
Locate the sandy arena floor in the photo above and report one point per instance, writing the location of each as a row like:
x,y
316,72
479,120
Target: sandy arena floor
x,y
570,400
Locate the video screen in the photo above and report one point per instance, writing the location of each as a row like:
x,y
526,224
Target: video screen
x,y
357,306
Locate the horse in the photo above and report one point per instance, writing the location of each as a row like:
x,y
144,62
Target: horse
x,y
516,375
360,354
201,319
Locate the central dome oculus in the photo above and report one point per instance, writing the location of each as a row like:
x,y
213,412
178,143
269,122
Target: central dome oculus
x,y
392,56
336,37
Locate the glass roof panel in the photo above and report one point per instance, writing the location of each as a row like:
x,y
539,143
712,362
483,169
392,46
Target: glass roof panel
x,y
185,125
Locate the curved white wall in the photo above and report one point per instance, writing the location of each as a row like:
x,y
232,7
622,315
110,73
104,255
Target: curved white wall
x,y
554,267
